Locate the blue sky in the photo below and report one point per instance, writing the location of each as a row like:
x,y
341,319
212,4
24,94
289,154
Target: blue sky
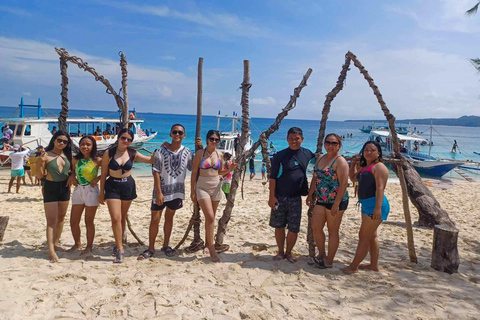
x,y
417,52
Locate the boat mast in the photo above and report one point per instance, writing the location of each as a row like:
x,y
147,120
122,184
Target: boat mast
x,y
430,142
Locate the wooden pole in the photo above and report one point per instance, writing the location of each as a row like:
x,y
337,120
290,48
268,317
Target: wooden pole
x,y
244,155
241,161
124,116
62,118
195,221
3,226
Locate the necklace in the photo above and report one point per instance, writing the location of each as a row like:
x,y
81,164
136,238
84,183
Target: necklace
x,y
208,153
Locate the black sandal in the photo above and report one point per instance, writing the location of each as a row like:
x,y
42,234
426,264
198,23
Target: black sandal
x,y
145,255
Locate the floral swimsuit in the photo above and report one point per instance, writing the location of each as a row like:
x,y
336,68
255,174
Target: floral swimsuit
x,y
327,184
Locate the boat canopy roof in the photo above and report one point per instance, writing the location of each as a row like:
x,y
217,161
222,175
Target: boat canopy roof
x,y
69,120
386,134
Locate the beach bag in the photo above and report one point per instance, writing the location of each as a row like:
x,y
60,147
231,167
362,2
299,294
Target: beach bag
x,y
226,188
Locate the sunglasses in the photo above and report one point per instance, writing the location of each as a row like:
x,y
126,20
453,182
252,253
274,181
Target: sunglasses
x,y
214,140
126,139
331,143
180,133
62,141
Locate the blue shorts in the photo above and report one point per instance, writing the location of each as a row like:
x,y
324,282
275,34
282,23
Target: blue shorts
x,y
252,170
18,173
368,205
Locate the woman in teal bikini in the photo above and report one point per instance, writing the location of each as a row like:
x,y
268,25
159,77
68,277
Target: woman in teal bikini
x,y
85,195
54,168
330,182
372,178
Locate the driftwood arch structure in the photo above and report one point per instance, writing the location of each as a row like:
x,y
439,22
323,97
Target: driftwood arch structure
x,y
430,211
121,98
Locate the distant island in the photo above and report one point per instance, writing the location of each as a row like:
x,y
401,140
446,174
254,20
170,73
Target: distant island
x,y
463,121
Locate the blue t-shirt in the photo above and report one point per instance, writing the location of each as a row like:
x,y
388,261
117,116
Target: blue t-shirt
x,y
288,169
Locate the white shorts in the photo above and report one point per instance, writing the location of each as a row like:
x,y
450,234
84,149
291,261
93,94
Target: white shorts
x,y
86,195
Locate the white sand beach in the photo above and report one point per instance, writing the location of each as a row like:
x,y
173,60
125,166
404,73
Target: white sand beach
x,y
247,284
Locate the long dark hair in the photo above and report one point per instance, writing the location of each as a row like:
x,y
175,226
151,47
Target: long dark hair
x,y
363,161
93,153
68,148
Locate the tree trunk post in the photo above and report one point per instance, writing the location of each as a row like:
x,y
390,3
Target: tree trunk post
x,y
195,220
124,107
3,226
62,118
240,160
241,157
445,253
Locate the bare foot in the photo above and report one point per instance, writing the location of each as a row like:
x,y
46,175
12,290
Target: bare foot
x,y
74,248
279,257
368,267
214,258
290,258
349,270
60,248
87,251
53,258
206,250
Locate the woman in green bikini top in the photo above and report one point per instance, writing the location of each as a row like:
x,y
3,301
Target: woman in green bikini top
x,y
54,166
85,195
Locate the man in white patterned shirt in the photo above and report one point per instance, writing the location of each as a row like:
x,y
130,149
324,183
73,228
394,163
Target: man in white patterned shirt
x,y
169,170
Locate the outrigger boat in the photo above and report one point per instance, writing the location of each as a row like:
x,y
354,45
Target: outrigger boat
x,y
227,138
425,164
34,131
368,129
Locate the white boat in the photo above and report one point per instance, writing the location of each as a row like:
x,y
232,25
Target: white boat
x,y
34,131
227,138
425,164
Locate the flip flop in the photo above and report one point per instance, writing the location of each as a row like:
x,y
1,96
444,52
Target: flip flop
x,y
119,257
115,251
145,255
221,247
169,252
320,263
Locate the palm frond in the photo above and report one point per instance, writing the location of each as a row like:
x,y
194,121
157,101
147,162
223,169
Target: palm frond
x,y
473,10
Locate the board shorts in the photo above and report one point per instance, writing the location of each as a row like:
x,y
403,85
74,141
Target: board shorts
x,y
342,207
120,188
368,205
252,170
55,191
17,173
208,187
174,204
85,195
288,214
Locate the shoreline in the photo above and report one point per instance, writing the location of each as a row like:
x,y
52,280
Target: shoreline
x,y
248,283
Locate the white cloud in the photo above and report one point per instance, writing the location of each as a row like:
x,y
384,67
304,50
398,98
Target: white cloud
x,y
443,15
165,91
15,11
26,94
268,101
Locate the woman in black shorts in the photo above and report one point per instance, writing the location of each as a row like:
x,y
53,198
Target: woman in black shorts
x,y
330,182
119,189
53,167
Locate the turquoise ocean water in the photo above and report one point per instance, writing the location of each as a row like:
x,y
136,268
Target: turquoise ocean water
x,y
467,138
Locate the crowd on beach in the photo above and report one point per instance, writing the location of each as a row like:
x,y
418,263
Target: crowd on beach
x,y
108,180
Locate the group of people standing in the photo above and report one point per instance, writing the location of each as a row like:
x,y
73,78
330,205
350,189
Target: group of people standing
x,y
59,170
288,182
116,188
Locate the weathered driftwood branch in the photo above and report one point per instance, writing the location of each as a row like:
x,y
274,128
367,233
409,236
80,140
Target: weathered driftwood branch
x,y
321,135
429,210
396,145
62,118
124,116
3,226
240,160
195,220
243,155
63,53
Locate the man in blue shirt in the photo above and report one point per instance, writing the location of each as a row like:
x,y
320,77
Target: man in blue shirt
x,y
287,183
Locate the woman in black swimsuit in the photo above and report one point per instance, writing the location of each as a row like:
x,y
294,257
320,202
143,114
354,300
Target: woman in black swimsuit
x,y
119,189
